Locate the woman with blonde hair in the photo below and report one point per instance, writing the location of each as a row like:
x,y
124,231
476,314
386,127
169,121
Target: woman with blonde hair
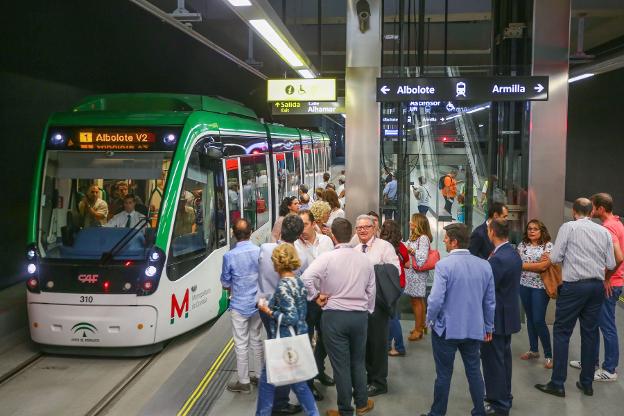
x,y
416,282
290,303
321,211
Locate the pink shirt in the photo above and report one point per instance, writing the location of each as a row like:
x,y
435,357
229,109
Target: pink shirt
x,y
616,228
345,276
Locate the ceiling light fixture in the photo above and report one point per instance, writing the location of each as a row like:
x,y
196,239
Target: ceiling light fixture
x,y
277,43
239,3
580,77
306,73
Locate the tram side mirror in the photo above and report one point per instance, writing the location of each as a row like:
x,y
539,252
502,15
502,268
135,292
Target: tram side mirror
x,y
214,153
363,11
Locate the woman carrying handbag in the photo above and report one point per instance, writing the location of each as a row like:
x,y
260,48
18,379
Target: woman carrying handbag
x,y
287,309
419,246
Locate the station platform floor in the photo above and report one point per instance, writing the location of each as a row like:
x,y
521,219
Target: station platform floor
x,y
198,386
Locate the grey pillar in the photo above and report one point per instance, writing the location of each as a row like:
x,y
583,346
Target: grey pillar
x,y
363,64
548,131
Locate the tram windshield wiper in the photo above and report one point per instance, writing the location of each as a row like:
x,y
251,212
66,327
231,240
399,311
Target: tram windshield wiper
x,y
123,241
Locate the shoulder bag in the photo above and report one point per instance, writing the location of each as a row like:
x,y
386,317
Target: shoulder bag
x,y
432,258
289,360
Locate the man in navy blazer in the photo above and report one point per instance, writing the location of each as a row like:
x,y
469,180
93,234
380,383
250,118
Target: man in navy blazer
x,y
496,355
480,244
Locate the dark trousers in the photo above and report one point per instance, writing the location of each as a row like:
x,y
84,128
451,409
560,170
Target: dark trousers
x,y
535,302
377,349
423,209
448,204
578,300
444,357
344,334
496,361
281,398
313,319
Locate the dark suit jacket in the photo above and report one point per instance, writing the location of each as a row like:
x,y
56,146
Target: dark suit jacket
x,y
480,244
388,285
507,267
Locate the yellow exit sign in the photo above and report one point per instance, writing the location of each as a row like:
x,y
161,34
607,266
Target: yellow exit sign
x,y
317,89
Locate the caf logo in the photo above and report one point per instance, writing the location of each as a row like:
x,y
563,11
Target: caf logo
x,y
290,356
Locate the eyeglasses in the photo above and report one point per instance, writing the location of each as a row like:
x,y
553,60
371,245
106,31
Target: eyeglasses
x,y
533,229
363,227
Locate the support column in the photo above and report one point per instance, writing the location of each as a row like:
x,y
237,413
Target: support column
x,y
548,127
363,65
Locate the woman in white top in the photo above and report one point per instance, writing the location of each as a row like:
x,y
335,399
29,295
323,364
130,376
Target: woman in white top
x,y
534,250
416,282
331,197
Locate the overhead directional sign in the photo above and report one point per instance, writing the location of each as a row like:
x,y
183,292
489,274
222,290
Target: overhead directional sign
x,y
499,88
308,107
301,89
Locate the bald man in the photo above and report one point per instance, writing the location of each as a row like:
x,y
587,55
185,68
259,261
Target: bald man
x,y
586,250
93,209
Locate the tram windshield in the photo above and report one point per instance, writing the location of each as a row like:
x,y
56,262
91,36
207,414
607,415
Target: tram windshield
x,y
92,200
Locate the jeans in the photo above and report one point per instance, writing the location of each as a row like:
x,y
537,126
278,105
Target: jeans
x,y
444,357
583,301
535,302
448,204
395,332
606,323
266,393
423,209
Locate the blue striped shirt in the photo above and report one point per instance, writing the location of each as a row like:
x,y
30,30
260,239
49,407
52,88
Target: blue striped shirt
x,y
240,274
585,249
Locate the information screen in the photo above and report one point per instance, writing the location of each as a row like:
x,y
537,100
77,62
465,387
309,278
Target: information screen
x,y
113,139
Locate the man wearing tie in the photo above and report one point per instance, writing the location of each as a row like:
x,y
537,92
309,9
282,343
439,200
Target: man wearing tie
x,y
127,218
480,244
496,355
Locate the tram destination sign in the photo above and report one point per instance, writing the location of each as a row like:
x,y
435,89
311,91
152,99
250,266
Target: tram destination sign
x,y
284,108
499,88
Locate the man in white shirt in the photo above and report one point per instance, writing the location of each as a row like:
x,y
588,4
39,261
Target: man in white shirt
x,y
377,251
314,244
127,218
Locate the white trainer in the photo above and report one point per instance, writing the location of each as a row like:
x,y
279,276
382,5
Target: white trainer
x,y
603,375
575,364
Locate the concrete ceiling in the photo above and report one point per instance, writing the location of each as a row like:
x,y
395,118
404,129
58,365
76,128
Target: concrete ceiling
x,y
469,30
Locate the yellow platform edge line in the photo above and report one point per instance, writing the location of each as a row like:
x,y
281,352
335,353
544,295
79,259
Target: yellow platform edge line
x,y
190,402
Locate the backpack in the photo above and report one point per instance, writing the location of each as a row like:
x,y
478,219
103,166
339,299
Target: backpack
x,y
441,182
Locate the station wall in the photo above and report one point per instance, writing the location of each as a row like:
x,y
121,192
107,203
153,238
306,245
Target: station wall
x,y
595,149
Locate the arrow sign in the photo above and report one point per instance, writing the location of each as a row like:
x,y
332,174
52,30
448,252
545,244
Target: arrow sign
x,y
539,88
384,90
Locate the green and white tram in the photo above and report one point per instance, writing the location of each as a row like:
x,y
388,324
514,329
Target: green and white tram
x,y
194,164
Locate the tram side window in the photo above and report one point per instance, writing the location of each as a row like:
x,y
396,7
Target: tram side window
x,y
309,169
199,222
298,179
293,176
255,190
282,174
233,185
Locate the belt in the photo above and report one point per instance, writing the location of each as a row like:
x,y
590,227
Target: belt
x,y
594,279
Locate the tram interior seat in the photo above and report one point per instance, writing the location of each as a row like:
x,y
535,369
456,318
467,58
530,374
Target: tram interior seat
x,y
90,243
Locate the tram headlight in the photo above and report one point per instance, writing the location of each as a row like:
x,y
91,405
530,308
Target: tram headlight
x,y
150,271
57,139
32,268
155,256
170,139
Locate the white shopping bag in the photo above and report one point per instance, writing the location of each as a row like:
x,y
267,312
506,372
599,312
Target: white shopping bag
x,y
289,360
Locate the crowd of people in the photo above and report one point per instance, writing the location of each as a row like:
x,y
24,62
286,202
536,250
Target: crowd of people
x,y
340,283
